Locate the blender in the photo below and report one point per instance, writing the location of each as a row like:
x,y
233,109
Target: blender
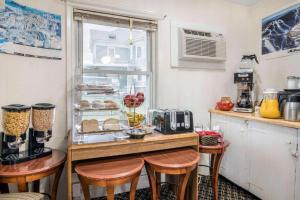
x,y
15,122
41,131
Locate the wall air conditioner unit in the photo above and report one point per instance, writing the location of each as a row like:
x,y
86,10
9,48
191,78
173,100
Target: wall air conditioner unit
x,y
201,46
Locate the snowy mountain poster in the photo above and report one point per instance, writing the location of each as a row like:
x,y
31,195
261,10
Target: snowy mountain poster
x,y
281,31
27,31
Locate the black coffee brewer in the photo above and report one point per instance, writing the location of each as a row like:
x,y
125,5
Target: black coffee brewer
x,y
15,122
41,131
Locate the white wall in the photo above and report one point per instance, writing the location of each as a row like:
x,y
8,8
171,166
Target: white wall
x,y
272,72
30,80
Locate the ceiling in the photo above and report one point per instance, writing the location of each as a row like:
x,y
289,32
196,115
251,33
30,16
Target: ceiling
x,y
245,2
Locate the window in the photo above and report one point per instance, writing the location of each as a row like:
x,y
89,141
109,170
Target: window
x,y
110,53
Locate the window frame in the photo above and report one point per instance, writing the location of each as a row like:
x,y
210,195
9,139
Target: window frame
x,y
150,65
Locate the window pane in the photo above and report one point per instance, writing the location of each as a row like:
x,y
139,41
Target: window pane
x,y
109,48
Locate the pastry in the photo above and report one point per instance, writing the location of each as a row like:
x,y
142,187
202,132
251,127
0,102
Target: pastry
x,y
84,104
110,104
97,104
88,126
111,124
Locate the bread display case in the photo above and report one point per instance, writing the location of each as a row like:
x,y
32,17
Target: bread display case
x,y
106,73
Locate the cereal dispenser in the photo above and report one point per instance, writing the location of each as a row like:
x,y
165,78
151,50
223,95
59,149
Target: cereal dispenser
x,y
41,131
15,122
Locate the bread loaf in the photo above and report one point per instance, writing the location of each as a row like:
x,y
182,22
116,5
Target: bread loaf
x,y
111,124
88,126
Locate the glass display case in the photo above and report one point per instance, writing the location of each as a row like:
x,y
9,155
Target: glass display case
x,y
113,62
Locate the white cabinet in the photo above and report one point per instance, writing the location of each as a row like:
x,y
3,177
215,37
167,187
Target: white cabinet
x,y
261,157
272,166
235,163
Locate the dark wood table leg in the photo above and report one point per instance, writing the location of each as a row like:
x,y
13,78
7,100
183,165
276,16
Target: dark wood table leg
x,y
215,175
133,186
183,180
110,192
152,182
56,182
4,188
23,187
85,187
193,185
36,186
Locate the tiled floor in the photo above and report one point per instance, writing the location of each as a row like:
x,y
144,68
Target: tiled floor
x,y
227,191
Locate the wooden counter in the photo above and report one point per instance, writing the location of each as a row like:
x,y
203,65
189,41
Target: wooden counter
x,y
152,142
251,116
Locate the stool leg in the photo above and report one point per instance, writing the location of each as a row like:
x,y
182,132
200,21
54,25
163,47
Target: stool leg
x,y
212,161
152,182
183,180
56,182
133,186
158,180
85,188
215,175
110,192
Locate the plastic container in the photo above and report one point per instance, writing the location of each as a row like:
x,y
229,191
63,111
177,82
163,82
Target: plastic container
x,y
270,106
15,119
43,116
292,82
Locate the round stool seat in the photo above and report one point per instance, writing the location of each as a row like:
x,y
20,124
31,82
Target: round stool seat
x,y
110,169
110,173
173,159
180,162
220,148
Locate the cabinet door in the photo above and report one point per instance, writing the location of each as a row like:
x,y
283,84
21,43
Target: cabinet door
x,y
272,166
235,163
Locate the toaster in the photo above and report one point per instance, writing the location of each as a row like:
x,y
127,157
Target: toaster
x,y
173,121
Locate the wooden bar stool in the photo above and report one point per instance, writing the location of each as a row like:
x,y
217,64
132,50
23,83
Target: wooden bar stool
x,y
216,152
110,173
171,162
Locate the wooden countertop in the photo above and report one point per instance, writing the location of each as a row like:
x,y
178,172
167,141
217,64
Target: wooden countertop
x,y
153,142
251,116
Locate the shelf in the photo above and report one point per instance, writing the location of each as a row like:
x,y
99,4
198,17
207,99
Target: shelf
x,y
123,72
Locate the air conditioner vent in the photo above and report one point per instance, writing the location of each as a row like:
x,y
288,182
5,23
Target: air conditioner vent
x,y
201,46
199,33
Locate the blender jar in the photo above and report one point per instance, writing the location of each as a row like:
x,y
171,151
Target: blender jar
x,y
43,119
270,105
15,122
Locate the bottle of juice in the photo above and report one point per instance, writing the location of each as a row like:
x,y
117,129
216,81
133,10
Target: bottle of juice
x,y
270,106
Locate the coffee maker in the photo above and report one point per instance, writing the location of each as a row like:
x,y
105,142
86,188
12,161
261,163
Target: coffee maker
x,y
244,78
41,131
15,121
245,92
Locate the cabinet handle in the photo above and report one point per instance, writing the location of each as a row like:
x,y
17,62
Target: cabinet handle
x,y
295,155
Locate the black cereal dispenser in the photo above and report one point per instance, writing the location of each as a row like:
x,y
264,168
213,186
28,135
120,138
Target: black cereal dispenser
x,y
15,122
42,121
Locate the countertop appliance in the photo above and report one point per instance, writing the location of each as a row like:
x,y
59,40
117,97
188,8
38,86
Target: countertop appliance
x,y
244,78
245,92
292,108
41,132
173,121
15,122
282,97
